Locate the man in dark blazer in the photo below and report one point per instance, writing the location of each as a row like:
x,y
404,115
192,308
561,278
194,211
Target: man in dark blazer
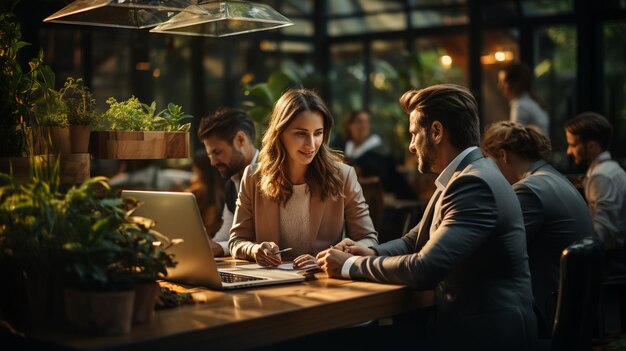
x,y
470,245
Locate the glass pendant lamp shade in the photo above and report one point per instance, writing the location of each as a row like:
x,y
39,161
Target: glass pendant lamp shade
x,y
136,14
224,18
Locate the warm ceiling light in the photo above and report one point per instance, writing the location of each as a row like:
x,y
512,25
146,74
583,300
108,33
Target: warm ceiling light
x,y
136,14
446,61
224,18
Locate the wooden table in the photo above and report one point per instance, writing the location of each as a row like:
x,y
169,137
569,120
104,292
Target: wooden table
x,y
247,318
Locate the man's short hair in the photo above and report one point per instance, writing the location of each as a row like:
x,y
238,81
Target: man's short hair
x,y
591,126
225,123
452,105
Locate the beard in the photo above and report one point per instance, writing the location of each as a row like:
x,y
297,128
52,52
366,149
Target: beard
x,y
425,156
237,164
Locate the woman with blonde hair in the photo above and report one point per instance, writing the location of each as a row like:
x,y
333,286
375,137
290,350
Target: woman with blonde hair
x,y
300,195
555,213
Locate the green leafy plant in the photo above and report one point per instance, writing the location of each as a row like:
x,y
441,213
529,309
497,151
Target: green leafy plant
x,y
170,119
25,94
79,102
133,115
110,249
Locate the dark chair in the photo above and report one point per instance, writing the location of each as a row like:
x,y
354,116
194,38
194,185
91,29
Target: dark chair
x,y
579,296
374,196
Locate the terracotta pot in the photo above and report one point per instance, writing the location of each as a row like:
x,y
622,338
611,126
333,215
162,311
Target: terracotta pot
x,y
79,138
101,313
146,295
51,140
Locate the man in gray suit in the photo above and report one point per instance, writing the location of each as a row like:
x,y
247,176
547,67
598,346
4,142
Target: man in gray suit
x,y
470,246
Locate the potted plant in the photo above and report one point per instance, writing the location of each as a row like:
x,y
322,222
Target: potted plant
x,y
133,130
30,247
81,113
148,264
107,253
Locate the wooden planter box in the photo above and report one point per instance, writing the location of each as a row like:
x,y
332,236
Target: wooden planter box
x,y
139,145
75,168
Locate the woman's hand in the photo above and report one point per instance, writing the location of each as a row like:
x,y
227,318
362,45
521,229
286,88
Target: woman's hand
x,y
266,254
303,261
351,247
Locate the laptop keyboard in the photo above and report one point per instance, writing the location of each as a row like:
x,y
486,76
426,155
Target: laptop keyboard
x,y
235,278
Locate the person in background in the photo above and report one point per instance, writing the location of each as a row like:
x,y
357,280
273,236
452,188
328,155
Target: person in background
x,y
470,246
300,195
588,138
228,137
367,153
516,83
208,187
555,213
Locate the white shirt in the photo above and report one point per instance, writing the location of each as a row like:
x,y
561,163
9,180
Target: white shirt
x,y
605,191
526,111
223,234
441,182
352,152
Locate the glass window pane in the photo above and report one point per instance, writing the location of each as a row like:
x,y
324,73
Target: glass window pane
x,y
534,8
615,83
381,22
555,79
345,7
300,27
500,10
347,78
439,17
500,48
296,7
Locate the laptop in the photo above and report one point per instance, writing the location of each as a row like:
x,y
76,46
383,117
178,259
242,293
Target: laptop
x,y
177,216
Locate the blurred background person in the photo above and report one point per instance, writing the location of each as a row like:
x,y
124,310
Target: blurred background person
x,y
228,137
526,107
588,139
367,153
208,187
555,213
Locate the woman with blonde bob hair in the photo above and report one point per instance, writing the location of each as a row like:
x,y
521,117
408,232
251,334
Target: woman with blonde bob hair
x,y
300,195
555,213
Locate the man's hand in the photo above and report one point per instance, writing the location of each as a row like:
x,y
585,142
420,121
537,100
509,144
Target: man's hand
x,y
303,261
331,261
350,246
266,254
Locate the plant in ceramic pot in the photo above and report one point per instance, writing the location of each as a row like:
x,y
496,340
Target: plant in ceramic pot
x,y
133,130
148,264
107,253
81,113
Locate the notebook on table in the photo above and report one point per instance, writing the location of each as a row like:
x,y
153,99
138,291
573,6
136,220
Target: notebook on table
x,y
177,216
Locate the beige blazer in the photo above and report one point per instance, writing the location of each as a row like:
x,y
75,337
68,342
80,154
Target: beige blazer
x,y
257,218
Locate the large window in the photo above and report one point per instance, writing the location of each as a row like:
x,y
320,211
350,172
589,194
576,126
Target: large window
x,y
615,82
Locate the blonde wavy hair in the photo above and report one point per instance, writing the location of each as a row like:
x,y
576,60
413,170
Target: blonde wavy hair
x,y
322,174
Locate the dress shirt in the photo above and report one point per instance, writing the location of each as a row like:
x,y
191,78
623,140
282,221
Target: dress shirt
x,y
605,191
223,234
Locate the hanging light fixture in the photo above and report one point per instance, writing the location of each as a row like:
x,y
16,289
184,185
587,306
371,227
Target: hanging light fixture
x,y
136,14
224,18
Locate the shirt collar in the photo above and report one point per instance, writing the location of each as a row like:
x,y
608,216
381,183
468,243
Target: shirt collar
x,y
444,178
235,178
603,156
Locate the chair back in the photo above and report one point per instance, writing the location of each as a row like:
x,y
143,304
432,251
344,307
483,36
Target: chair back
x,y
374,196
579,295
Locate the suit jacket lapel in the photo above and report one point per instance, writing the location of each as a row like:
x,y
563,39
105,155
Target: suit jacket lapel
x,y
429,214
316,210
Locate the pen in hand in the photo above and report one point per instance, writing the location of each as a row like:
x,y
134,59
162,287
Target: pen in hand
x,y
282,251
